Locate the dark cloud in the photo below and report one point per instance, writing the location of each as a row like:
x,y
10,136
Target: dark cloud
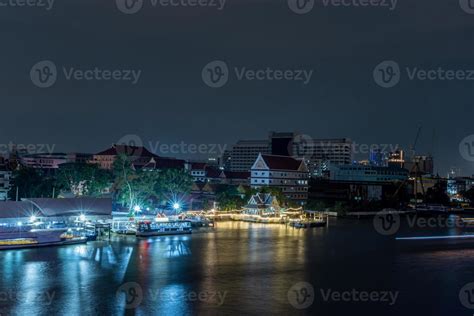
x,y
170,103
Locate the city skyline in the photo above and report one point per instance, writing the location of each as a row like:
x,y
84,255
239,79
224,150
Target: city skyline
x,y
201,151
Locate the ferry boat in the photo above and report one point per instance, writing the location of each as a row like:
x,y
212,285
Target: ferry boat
x,y
29,237
161,228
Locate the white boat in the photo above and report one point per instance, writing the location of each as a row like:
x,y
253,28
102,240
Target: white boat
x,y
161,228
431,209
308,223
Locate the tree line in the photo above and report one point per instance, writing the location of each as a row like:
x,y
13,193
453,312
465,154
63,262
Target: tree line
x,y
128,185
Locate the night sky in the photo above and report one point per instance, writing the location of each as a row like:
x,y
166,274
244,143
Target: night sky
x,y
170,103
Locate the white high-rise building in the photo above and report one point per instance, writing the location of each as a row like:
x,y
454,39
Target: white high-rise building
x,y
319,154
245,152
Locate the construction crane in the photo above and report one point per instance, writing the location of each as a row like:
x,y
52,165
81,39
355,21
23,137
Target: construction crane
x,y
415,169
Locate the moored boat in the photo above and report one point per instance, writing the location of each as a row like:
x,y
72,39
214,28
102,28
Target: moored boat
x,y
308,223
431,210
161,228
29,237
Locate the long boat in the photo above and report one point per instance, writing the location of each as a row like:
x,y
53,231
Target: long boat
x,y
28,237
431,210
161,228
308,223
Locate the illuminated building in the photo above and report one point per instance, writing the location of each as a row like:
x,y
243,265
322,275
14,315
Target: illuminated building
x,y
286,173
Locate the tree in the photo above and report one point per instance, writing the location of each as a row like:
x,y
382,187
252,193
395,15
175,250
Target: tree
x,y
136,187
316,205
341,208
229,199
32,183
83,179
173,184
133,188
469,195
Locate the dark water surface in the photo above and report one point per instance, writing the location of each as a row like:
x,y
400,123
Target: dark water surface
x,y
242,268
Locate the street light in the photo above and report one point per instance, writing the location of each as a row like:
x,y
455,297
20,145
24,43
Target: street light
x,y
33,219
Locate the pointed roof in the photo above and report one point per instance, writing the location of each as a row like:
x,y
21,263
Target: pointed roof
x,y
134,151
262,201
274,162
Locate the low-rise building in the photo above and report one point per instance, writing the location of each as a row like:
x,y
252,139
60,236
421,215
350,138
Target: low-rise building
x,y
139,156
55,211
288,174
53,160
367,173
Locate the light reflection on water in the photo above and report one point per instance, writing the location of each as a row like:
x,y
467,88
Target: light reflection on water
x,y
237,268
